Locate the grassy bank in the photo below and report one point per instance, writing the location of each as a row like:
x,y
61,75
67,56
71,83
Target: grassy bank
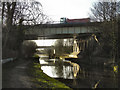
x,y
41,80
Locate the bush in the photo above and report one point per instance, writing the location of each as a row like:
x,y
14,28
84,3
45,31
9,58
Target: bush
x,y
28,48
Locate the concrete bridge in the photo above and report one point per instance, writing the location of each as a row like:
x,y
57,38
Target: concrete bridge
x,y
61,31
80,32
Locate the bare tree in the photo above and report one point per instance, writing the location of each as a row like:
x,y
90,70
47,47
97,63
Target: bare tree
x,y
19,14
59,47
62,48
8,10
29,12
107,13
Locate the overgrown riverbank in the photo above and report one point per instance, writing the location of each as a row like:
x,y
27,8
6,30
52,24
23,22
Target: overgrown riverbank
x,y
40,79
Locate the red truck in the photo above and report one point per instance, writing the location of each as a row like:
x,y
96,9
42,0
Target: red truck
x,y
83,20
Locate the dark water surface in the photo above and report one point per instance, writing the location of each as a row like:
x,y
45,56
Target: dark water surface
x,y
76,76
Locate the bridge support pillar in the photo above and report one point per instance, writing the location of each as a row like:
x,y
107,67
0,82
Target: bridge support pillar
x,y
87,44
75,46
83,44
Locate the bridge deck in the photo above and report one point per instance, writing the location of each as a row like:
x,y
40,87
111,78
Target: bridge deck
x,y
61,30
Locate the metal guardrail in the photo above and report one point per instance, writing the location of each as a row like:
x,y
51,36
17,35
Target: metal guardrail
x,y
7,60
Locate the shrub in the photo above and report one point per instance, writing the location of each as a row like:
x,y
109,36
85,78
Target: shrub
x,y
28,48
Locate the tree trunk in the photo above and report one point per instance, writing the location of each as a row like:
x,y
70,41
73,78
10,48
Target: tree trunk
x,y
9,21
118,51
3,8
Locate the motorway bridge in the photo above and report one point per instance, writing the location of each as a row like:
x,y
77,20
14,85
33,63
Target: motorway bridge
x,y
61,31
80,32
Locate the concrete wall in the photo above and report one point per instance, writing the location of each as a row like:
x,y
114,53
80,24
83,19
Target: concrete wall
x,y
59,30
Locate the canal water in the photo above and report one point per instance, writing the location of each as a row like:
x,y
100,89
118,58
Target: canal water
x,y
75,76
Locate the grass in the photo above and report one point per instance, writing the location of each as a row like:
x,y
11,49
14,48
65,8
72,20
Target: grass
x,y
41,80
35,56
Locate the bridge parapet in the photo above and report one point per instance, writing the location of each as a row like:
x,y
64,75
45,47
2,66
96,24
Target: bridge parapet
x,y
61,29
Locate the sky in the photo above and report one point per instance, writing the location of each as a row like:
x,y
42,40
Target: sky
x,y
44,42
72,9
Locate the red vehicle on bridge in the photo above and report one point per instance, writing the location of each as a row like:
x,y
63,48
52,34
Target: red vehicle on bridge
x,y
83,20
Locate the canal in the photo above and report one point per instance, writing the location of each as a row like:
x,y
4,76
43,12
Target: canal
x,y
78,75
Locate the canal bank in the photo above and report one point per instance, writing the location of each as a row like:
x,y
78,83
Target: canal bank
x,y
26,73
42,80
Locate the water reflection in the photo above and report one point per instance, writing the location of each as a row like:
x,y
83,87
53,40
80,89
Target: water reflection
x,y
43,61
88,76
75,69
99,78
59,69
49,71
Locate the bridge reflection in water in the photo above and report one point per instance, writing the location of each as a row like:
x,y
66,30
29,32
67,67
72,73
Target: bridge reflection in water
x,y
76,76
57,68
